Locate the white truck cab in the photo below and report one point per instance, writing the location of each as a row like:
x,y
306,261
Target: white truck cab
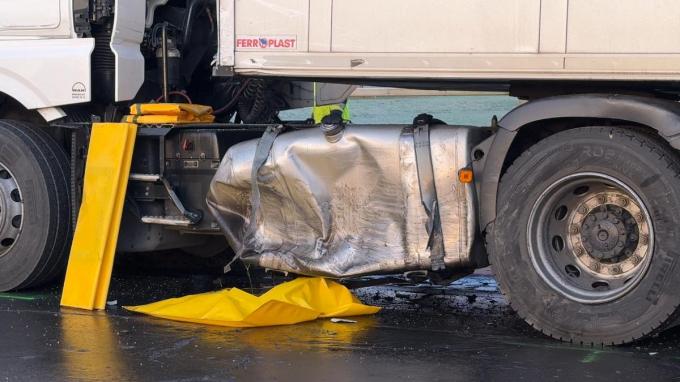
x,y
46,64
43,64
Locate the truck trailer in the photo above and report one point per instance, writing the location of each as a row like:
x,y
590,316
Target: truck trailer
x,y
573,197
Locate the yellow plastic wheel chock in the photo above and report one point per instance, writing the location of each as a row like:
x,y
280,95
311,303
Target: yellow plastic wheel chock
x,y
94,243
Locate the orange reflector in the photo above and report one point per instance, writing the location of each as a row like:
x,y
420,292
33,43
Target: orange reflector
x,y
465,175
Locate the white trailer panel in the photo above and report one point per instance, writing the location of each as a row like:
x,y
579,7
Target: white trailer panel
x,y
626,27
454,39
436,26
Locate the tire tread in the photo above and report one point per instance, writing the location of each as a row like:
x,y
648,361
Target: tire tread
x,y
646,140
53,163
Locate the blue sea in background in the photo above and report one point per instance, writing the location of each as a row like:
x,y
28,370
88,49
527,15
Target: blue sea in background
x,y
458,110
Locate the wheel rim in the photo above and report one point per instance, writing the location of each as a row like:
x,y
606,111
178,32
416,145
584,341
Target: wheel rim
x,y
11,210
590,237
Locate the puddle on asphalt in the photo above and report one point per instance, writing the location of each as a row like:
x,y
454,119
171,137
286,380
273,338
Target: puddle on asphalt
x,y
464,329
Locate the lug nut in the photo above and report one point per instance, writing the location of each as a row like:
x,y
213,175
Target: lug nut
x,y
644,239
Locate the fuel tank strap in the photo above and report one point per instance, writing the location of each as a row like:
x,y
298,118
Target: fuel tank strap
x,y
264,146
428,191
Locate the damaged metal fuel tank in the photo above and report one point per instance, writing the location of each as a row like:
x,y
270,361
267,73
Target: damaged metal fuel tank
x,y
346,202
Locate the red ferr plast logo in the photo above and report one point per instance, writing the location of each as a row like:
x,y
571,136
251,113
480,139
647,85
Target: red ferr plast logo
x,y
266,42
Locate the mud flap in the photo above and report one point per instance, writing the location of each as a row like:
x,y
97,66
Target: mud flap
x,y
94,243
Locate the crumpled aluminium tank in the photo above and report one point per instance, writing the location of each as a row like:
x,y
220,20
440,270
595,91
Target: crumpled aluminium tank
x,y
350,207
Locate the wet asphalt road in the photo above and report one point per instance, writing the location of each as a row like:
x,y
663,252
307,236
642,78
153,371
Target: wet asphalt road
x,y
463,332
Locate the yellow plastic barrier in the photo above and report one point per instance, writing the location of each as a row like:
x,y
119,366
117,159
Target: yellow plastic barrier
x,y
94,243
303,299
158,113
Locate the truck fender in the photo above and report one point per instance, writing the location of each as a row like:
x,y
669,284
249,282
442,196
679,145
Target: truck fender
x,y
22,90
659,114
50,114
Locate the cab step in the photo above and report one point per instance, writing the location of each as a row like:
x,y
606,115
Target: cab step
x,y
152,178
180,221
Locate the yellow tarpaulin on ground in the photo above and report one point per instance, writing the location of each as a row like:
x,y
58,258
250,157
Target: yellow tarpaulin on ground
x,y
154,113
303,299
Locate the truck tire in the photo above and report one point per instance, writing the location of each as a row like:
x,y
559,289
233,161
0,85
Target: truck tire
x,y
585,244
35,227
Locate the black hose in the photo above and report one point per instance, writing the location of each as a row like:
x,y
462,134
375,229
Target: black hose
x,y
235,96
252,107
193,8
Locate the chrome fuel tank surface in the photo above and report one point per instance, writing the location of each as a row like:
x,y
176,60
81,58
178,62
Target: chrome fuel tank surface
x,y
349,206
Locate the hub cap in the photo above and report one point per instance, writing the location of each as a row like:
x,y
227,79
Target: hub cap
x,y
590,237
11,210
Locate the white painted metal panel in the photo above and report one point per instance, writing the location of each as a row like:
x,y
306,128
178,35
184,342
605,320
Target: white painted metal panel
x,y
128,32
464,39
29,14
453,26
227,33
553,38
624,26
46,72
35,18
277,21
320,12
622,66
51,113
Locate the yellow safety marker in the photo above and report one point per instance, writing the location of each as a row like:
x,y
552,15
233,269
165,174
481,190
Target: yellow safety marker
x,y
94,243
303,299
